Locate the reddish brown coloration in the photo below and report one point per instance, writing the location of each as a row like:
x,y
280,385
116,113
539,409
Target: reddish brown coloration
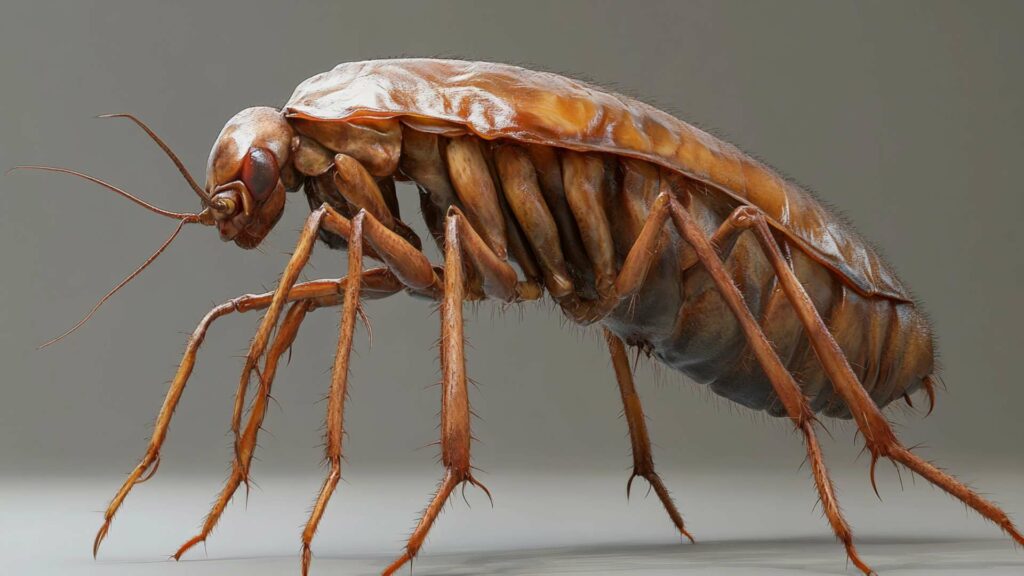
x,y
643,461
498,101
677,243
782,381
522,190
305,291
455,433
247,446
339,385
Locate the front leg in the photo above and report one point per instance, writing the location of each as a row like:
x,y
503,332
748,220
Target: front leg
x,y
303,249
409,266
407,263
307,291
376,283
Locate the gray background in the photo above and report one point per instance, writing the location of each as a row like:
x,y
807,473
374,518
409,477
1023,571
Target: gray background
x,y
906,115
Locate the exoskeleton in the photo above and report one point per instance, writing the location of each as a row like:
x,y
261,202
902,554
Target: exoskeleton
x,y
534,185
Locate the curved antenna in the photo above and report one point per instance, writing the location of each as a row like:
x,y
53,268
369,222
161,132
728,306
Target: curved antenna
x,y
176,215
191,218
170,154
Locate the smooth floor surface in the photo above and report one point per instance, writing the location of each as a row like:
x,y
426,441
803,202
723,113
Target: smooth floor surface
x,y
746,524
741,558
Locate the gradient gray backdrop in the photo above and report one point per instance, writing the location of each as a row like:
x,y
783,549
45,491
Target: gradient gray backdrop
x,y
908,116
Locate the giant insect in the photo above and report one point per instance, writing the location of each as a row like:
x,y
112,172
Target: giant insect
x,y
676,243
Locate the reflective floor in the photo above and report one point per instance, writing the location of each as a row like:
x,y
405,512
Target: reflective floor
x,y
737,558
538,526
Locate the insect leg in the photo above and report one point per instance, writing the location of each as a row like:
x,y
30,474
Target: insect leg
x,y
499,278
455,413
296,263
518,248
409,265
360,189
474,186
641,255
522,191
339,384
549,175
240,467
148,464
377,283
421,161
878,435
724,239
643,461
387,189
584,180
782,381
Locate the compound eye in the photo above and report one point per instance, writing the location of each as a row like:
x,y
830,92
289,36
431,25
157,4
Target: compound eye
x,y
260,173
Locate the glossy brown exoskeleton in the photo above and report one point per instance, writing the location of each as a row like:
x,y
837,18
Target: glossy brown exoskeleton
x,y
674,241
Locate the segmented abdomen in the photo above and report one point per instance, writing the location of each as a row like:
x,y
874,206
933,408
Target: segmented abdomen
x,y
568,215
678,315
682,320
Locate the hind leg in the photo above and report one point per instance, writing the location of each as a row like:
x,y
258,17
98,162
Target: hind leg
x,y
782,381
879,437
631,277
643,461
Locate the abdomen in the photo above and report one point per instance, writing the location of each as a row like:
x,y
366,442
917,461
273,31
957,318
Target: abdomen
x,y
678,316
681,319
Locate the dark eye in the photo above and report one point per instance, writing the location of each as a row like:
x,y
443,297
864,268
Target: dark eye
x,y
260,173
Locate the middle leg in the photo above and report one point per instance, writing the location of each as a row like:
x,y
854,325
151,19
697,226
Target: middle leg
x,y
643,461
499,278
